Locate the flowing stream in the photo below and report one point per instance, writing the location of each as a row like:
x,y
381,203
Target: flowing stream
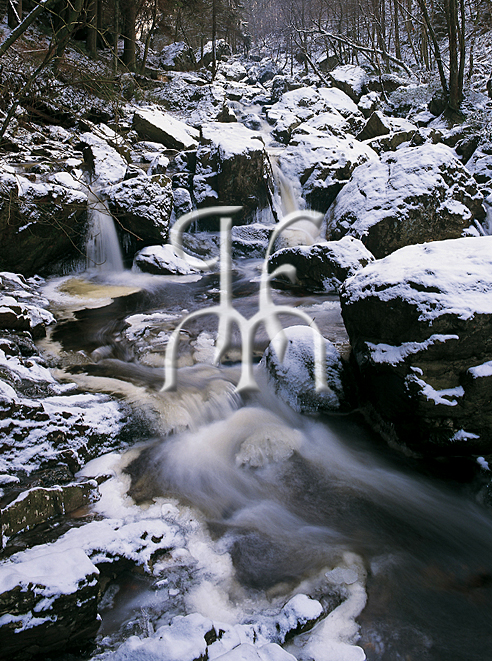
x,y
289,496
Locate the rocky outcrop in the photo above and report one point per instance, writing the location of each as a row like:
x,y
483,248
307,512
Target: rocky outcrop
x,y
410,196
323,266
42,222
378,125
142,206
322,164
419,323
231,169
40,504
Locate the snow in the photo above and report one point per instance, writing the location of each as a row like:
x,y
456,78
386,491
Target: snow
x,y
231,139
54,571
462,435
351,75
389,354
483,370
483,463
438,396
179,132
439,278
109,166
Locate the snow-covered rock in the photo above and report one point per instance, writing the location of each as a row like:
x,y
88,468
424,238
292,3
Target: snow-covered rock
x,y
177,57
378,124
106,165
409,196
142,207
21,307
368,103
419,322
293,377
233,70
157,126
322,164
48,601
480,164
164,260
351,79
230,169
323,266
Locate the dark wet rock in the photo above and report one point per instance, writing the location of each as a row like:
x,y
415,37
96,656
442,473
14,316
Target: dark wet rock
x,y
41,223
279,87
419,323
378,125
387,82
182,201
413,195
39,504
467,146
438,103
47,606
251,240
480,164
323,266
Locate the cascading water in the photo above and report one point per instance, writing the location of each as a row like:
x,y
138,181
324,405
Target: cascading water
x,y
103,252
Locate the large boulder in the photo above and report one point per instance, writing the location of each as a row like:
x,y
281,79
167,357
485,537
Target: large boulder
x,y
419,322
351,79
323,266
152,124
231,169
413,195
105,163
322,164
42,223
142,206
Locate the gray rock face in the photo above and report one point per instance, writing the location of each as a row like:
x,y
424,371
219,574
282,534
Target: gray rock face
x,y
419,323
410,196
323,266
231,169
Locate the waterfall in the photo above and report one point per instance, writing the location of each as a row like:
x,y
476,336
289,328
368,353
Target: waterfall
x,y
103,252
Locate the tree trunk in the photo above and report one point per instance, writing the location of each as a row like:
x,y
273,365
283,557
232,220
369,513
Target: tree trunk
x,y
91,42
14,13
129,34
214,38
